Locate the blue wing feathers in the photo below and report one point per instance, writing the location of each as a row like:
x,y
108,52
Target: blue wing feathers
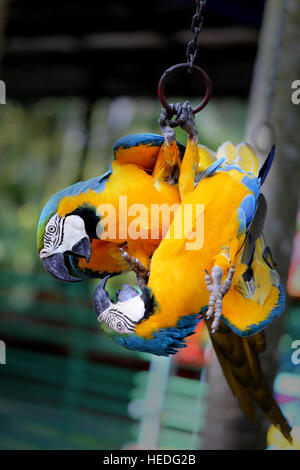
x,y
248,206
134,140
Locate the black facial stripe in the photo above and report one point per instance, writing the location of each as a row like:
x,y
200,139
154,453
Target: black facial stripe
x,y
127,321
90,219
130,328
110,320
62,232
122,315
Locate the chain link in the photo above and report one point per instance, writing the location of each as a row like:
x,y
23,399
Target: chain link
x,y
191,53
196,27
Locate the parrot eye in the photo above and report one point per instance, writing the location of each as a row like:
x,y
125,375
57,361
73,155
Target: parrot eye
x,y
54,232
118,321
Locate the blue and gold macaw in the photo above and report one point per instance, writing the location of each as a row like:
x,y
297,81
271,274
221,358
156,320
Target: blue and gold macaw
x,y
71,236
229,280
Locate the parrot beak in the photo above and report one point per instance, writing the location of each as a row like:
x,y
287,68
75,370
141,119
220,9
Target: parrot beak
x,y
55,265
101,298
82,249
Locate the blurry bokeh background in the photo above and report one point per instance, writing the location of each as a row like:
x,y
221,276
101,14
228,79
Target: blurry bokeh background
x,y
79,76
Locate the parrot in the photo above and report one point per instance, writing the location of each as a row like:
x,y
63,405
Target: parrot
x,y
229,281
71,237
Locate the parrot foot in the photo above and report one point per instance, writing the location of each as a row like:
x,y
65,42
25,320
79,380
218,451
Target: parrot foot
x,y
140,270
165,125
217,292
186,120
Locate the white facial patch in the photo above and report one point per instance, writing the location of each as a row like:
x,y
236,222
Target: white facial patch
x,y
61,234
124,316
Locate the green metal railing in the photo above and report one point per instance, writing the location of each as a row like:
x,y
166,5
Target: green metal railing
x,y
65,385
56,389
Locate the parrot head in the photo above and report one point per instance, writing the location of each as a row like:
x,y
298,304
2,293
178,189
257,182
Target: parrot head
x,y
134,305
63,239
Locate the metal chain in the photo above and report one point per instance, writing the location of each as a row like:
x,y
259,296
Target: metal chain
x,y
184,114
196,28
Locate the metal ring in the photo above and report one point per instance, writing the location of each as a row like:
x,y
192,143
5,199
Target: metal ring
x,y
169,72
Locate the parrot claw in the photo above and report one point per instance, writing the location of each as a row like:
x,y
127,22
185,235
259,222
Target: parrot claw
x,y
167,130
141,272
217,292
186,119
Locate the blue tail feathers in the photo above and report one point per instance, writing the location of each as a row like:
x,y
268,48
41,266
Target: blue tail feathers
x,y
263,172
